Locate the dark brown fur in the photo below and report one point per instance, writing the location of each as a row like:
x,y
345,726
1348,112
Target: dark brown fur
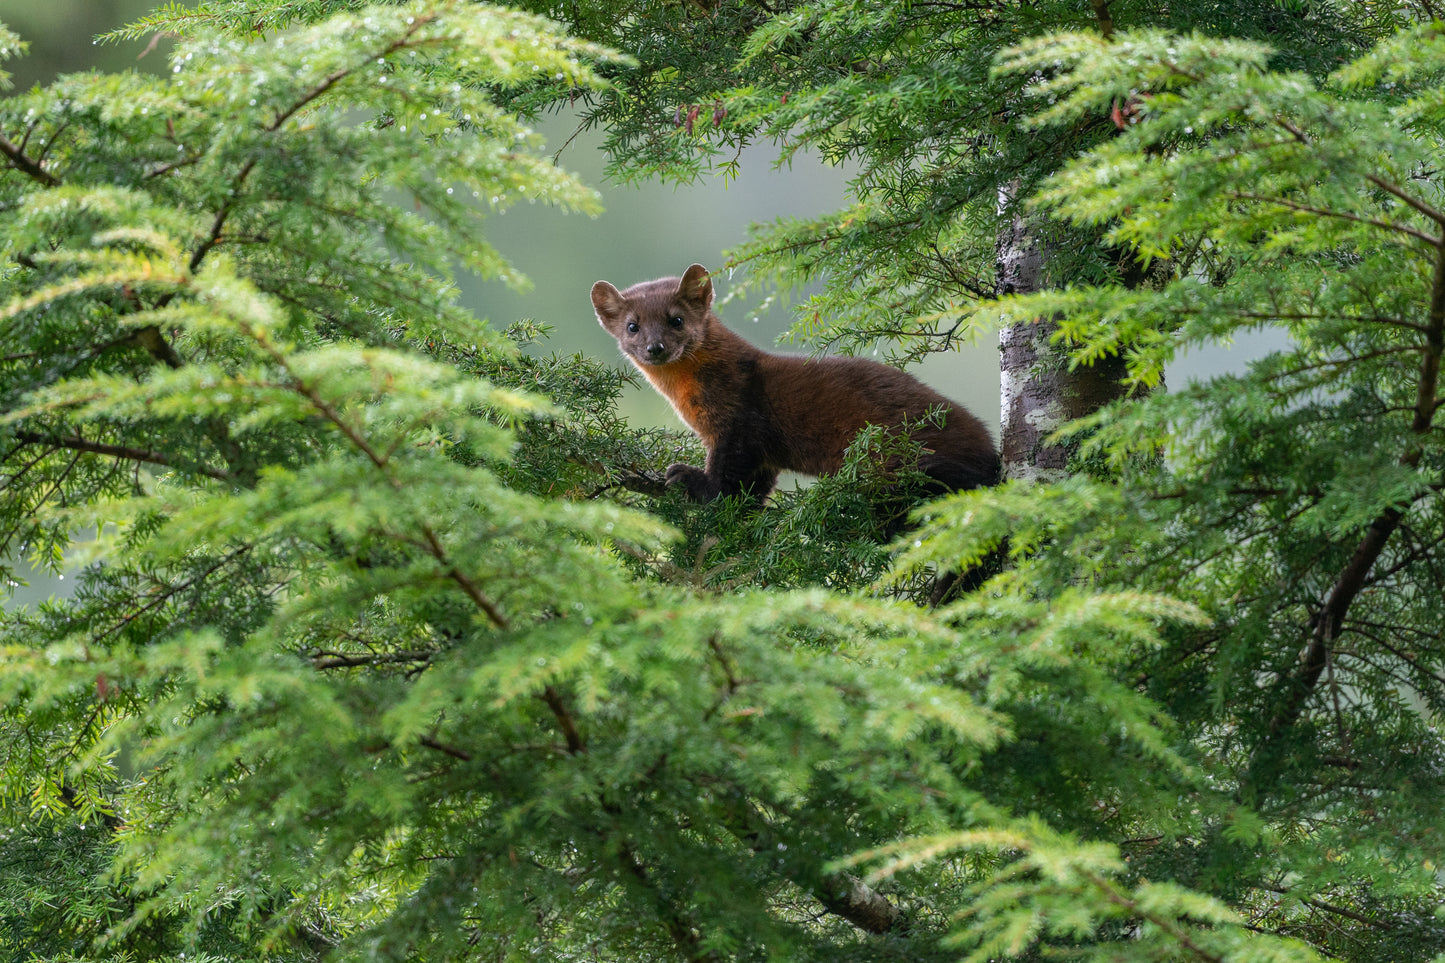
x,y
760,413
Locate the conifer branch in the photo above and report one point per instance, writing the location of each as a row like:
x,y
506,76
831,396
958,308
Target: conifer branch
x,y
472,590
336,76
16,476
167,592
340,660
45,497
725,663
1331,908
54,136
330,80
842,894
166,168
1331,316
124,452
681,930
1343,215
213,237
431,743
845,895
1327,623
575,745
1180,935
1377,633
26,164
379,460
1294,129
1435,214
637,481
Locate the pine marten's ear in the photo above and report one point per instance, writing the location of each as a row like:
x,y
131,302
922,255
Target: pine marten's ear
x,y
696,287
607,301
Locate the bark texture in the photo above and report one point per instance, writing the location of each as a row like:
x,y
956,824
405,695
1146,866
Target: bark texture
x,y
1038,391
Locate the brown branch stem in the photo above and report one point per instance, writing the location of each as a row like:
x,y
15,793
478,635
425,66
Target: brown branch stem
x,y
1435,214
338,660
442,747
575,745
74,443
26,164
1170,926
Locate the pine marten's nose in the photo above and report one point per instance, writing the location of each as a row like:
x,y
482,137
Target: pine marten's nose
x,y
655,349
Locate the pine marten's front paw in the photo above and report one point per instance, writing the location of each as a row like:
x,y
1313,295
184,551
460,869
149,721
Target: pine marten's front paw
x,y
693,480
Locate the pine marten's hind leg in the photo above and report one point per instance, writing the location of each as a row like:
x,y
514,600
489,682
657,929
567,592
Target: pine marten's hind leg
x,y
952,473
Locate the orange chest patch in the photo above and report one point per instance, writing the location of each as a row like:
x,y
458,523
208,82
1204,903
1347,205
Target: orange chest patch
x,y
678,383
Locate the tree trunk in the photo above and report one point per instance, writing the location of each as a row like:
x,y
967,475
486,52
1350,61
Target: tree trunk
x,y
1038,391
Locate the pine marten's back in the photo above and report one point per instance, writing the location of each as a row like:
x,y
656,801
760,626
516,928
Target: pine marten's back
x,y
822,403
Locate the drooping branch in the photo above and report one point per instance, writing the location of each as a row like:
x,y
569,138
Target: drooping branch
x,y
1134,907
125,452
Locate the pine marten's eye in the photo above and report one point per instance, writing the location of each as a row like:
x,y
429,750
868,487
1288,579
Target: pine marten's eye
x,y
632,327
675,321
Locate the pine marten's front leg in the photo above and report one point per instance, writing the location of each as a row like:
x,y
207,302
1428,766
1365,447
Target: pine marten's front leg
x,y
735,466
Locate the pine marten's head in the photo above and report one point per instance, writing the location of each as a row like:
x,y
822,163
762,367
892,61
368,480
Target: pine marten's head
x,y
657,322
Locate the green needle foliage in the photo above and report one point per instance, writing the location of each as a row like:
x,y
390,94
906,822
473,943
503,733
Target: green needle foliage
x,y
1297,503
378,656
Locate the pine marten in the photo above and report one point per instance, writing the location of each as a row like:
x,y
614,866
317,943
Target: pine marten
x,y
760,413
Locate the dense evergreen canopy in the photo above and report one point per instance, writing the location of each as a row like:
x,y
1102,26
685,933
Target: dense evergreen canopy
x,y
388,648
